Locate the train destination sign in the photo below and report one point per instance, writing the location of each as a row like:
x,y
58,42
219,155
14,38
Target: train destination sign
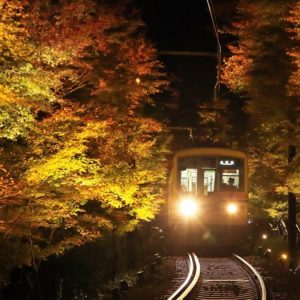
x,y
227,162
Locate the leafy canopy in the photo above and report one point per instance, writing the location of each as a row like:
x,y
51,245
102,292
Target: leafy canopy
x,y
82,155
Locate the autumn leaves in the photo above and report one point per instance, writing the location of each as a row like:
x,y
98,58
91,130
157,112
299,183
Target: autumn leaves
x,y
74,139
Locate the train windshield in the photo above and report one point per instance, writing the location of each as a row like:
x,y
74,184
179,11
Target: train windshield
x,y
204,175
188,180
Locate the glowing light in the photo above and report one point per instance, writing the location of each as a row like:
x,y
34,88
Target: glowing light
x,y
138,80
232,208
284,256
188,207
264,236
267,253
227,162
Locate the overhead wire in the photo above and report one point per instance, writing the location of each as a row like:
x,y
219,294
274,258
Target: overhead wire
x,y
219,51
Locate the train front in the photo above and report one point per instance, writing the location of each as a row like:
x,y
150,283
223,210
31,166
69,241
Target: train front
x,y
208,199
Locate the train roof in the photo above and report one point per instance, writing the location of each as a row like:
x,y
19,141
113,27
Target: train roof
x,y
209,151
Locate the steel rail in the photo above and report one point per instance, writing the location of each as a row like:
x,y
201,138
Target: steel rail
x,y
194,280
261,283
190,281
283,225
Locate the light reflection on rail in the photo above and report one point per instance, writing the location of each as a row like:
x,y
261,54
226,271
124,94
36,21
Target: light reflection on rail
x,y
191,280
192,286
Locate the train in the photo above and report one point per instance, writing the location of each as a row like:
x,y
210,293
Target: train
x,y
208,196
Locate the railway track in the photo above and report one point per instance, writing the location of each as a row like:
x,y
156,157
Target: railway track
x,y
220,279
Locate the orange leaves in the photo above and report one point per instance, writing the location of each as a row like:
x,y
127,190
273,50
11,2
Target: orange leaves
x,y
6,184
142,56
235,71
293,20
264,66
87,143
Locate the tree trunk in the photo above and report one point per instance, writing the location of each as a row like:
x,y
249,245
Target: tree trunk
x,y
114,257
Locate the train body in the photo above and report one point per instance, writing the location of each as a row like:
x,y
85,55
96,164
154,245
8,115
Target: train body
x,y
208,196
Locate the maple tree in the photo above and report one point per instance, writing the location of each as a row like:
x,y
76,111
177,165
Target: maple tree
x,y
237,66
80,153
266,71
262,85
293,20
214,122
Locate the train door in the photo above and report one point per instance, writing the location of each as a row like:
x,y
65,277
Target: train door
x,y
198,181
209,181
189,180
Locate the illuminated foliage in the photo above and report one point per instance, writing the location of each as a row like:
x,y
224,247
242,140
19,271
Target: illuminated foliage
x,y
214,122
261,69
294,29
83,157
12,32
236,69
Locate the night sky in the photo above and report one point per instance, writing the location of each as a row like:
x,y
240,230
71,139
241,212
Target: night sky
x,y
186,26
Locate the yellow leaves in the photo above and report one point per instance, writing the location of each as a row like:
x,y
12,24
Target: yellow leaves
x,y
278,209
142,148
92,130
149,207
54,169
31,83
15,121
7,96
69,162
12,34
51,56
144,213
124,194
78,147
282,189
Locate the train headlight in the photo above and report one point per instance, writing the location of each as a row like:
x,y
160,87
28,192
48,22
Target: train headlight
x,y
232,208
188,207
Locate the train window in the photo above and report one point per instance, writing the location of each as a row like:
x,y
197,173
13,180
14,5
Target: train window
x,y
209,181
230,180
188,180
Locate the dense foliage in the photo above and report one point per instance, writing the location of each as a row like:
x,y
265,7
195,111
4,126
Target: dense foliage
x,y
79,154
264,70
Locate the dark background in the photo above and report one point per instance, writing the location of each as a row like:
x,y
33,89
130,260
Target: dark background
x,y
186,26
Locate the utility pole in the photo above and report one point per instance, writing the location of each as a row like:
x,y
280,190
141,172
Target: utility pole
x,y
292,211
